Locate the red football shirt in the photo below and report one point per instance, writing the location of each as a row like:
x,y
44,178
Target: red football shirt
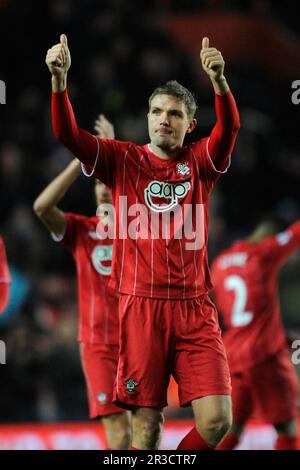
x,y
246,294
98,303
161,206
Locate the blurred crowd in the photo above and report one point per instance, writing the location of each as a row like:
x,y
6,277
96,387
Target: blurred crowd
x,y
120,51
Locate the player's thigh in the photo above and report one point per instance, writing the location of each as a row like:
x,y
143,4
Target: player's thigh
x,y
200,364
213,410
276,388
99,363
242,399
117,423
145,351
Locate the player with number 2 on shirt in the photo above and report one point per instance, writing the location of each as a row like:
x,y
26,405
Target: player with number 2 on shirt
x,y
246,293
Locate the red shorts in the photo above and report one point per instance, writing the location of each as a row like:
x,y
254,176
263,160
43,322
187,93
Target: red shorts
x,y
160,337
268,391
99,363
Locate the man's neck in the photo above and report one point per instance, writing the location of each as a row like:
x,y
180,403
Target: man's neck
x,y
164,154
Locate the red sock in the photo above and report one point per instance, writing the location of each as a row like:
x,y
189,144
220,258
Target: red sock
x,y
286,443
228,443
133,448
193,441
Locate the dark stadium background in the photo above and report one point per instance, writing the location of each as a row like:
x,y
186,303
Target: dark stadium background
x,y
121,50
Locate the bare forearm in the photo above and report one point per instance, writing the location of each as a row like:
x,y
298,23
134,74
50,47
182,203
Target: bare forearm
x,y
220,86
55,191
58,84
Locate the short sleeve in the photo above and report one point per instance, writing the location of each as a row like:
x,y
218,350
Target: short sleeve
x,y
69,238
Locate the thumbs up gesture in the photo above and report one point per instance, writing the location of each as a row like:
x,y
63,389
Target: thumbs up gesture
x,y
58,58
212,61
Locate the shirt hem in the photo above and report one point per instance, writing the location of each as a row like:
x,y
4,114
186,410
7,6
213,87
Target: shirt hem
x,y
162,295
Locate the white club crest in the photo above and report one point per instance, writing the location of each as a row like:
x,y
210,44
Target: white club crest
x,y
183,169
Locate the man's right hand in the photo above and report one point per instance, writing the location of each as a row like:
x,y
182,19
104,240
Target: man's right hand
x,y
58,59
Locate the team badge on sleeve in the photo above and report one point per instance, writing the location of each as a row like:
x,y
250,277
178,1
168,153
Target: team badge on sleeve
x,y
183,169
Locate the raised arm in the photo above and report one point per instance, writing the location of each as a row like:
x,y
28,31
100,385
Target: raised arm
x,y
80,142
281,246
224,133
45,206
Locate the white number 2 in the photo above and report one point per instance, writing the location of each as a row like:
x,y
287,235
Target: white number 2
x,y
239,316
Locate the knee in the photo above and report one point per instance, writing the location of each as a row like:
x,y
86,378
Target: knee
x,y
152,425
118,431
214,428
122,438
147,429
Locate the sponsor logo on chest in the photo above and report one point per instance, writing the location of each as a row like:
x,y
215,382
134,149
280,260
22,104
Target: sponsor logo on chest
x,y
171,192
101,254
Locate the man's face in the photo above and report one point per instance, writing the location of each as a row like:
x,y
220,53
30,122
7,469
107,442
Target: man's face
x,y
168,122
102,193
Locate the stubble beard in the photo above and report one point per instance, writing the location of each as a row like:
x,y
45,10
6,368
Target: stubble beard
x,y
164,144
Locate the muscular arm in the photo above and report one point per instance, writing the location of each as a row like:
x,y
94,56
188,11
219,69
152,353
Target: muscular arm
x,y
45,206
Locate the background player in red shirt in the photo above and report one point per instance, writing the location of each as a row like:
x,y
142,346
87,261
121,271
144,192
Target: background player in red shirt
x,y
98,303
246,293
4,277
168,324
